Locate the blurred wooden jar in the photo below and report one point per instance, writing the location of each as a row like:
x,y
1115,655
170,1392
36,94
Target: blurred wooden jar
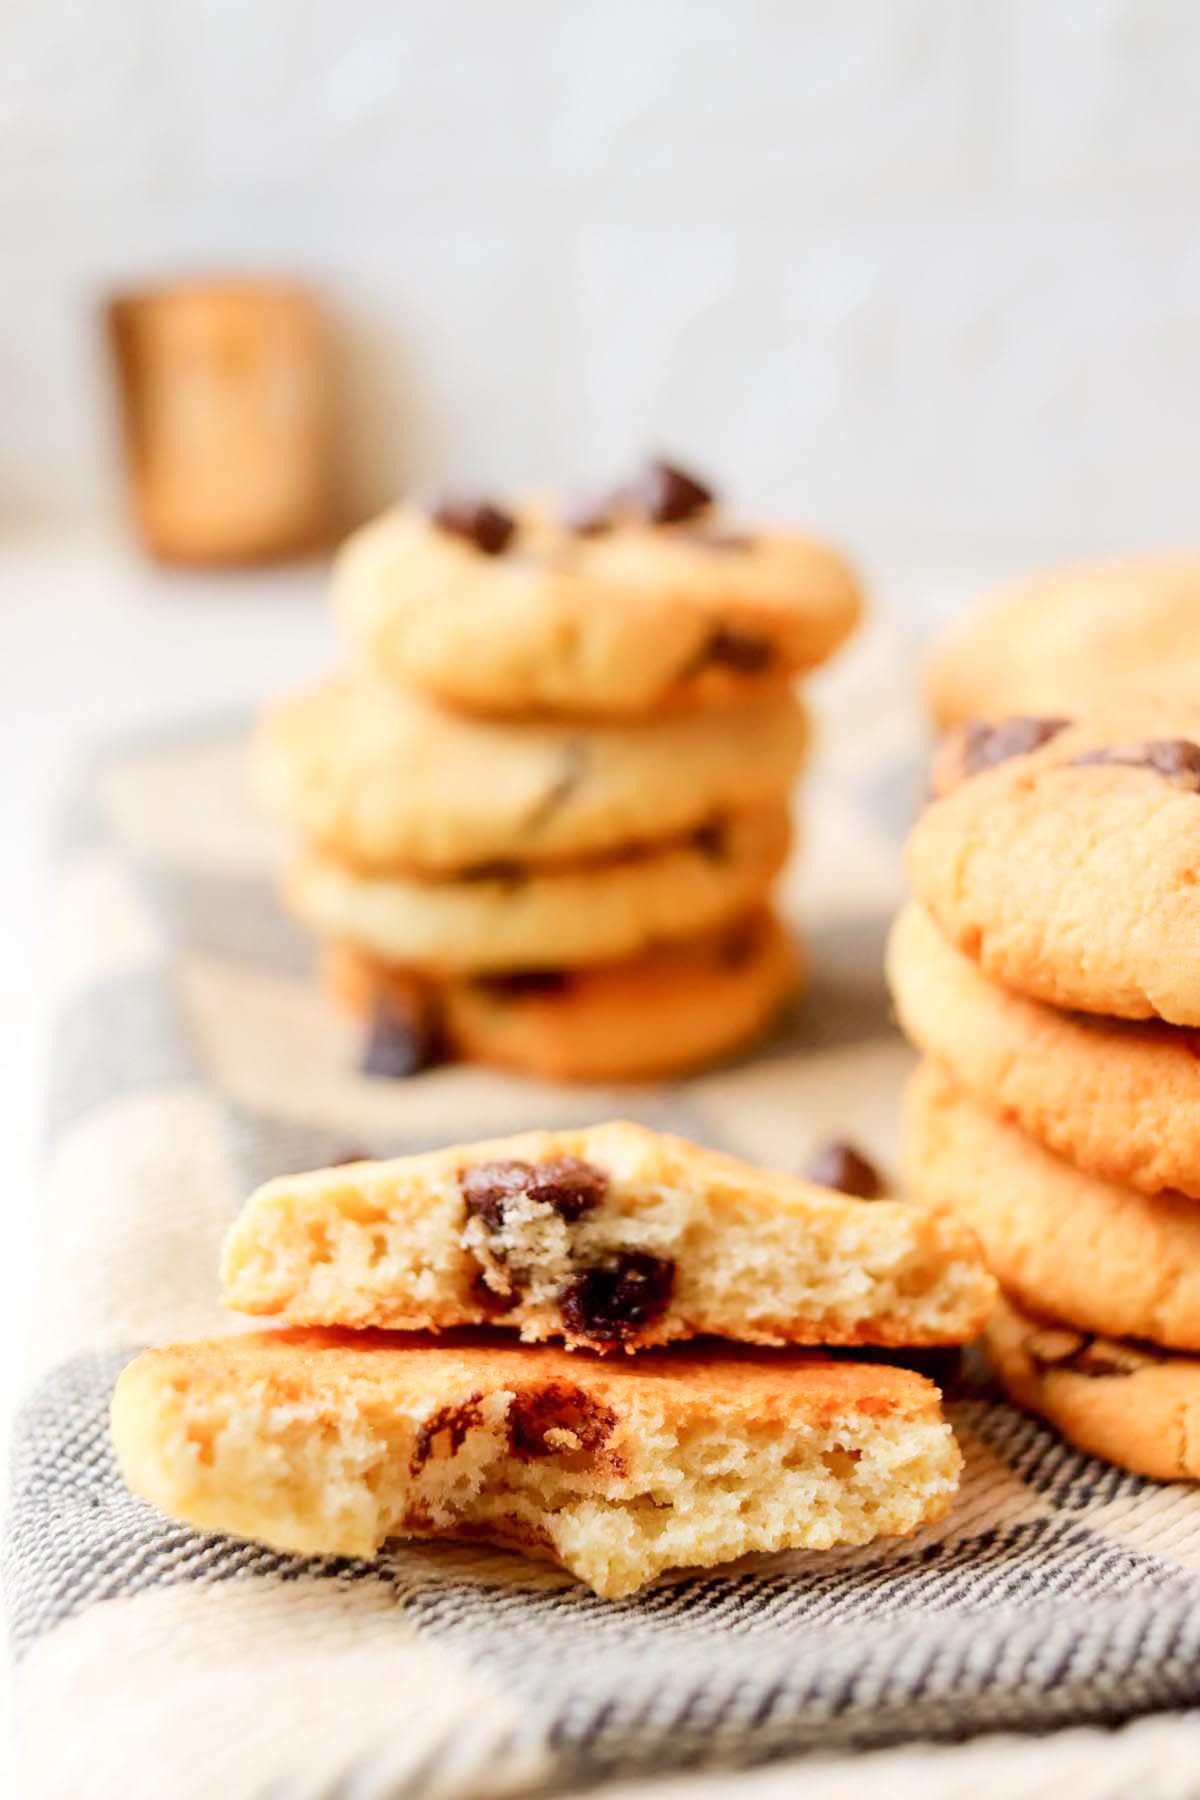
x,y
226,403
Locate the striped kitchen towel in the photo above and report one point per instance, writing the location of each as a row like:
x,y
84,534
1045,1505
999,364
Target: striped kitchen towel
x,y
194,1056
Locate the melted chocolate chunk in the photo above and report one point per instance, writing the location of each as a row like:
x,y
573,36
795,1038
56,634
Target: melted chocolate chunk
x,y
401,1043
566,1183
736,947
1077,1353
743,651
520,984
985,745
837,1164
480,523
451,1424
666,494
712,840
1178,759
614,1300
542,1421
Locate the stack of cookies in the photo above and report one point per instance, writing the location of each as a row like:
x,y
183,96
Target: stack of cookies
x,y
1049,971
542,816
358,1422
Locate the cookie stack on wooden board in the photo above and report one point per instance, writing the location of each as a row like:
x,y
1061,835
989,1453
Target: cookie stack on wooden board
x,y
1049,970
612,1456
542,817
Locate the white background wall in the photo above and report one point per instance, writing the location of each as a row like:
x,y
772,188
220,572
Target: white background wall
x,y
918,271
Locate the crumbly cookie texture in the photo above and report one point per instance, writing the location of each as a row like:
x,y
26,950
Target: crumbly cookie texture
x,y
520,917
330,1443
1102,1257
614,1237
1069,872
631,618
674,1008
1071,640
385,780
1117,1097
1134,1405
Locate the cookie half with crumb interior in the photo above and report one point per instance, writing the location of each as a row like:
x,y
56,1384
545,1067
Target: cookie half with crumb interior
x,y
613,1237
675,1007
330,1443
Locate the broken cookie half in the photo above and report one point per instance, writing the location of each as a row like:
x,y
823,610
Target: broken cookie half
x,y
615,1237
326,1442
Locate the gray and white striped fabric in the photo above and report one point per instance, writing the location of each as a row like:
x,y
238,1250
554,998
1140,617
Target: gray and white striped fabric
x,y
194,1057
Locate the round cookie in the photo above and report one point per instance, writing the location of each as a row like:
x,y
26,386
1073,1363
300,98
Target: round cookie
x,y
670,1009
1133,1406
1099,1256
384,780
1070,871
515,918
612,622
1072,638
1118,1098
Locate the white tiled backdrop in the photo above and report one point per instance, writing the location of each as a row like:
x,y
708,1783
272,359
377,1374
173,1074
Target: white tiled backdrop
x,y
923,272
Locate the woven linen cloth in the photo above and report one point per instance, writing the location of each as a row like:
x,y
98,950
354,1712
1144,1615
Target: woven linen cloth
x,y
194,1056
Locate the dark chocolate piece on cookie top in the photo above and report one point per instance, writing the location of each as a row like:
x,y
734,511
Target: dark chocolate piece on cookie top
x,y
1178,759
666,494
986,743
614,1300
485,526
568,1184
838,1164
746,652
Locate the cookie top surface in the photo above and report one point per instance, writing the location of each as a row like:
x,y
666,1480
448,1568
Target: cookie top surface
x,y
1127,1402
405,1371
516,917
1070,870
1099,1256
1119,1098
1071,639
385,780
634,617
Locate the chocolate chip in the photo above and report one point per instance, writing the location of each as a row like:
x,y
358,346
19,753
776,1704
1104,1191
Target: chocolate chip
x,y
566,1183
480,523
401,1043
451,1423
612,1301
744,651
521,984
985,745
666,494
1077,1353
1178,759
544,1421
712,840
837,1164
736,947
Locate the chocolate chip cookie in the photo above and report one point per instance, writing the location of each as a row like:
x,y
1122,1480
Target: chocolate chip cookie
x,y
641,603
1070,871
329,1443
383,780
611,1238
1099,1256
1131,1404
673,1008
